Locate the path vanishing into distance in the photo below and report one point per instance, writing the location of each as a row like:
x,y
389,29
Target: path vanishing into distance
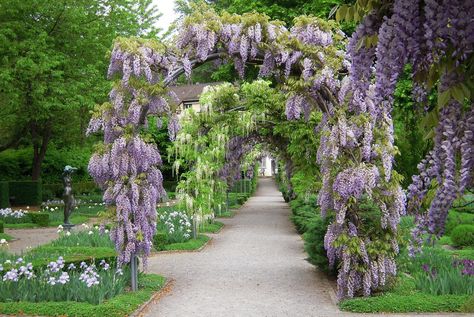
x,y
254,267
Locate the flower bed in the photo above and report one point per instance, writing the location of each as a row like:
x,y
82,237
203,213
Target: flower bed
x,y
60,282
118,306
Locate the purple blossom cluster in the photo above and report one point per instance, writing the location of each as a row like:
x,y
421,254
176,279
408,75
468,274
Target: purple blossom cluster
x,y
17,270
236,149
466,266
126,166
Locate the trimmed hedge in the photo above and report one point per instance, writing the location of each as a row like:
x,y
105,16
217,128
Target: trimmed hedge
x,y
26,192
4,195
41,219
51,191
463,235
170,186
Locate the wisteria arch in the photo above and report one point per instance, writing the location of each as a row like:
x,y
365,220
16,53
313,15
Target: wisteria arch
x,y
356,151
306,60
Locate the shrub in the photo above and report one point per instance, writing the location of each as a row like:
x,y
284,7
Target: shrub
x,y
41,219
1,227
170,186
463,235
314,244
160,240
26,192
468,306
457,218
4,195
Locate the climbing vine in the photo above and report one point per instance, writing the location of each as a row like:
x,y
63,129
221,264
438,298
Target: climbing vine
x,y
353,92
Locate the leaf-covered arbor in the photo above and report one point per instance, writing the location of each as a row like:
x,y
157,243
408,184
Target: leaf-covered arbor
x,y
308,63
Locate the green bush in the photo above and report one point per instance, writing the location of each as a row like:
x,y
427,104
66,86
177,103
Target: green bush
x,y
463,235
51,191
4,195
170,186
160,240
26,193
457,218
1,227
314,244
17,164
468,306
41,219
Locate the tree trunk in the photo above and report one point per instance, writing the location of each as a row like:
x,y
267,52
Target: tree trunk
x,y
39,149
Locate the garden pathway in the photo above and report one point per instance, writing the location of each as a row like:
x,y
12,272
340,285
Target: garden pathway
x,y
254,267
30,238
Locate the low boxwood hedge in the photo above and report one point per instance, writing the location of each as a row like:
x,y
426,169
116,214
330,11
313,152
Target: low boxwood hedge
x,y
24,193
121,305
463,235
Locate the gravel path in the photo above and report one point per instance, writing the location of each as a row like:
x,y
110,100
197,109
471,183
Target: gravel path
x,y
254,267
30,238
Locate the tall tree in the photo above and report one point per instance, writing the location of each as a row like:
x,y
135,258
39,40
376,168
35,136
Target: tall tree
x,y
53,65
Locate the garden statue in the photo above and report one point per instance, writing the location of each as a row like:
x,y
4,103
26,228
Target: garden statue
x,y
69,202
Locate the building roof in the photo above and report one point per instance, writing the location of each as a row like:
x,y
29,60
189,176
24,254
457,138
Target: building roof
x,y
187,93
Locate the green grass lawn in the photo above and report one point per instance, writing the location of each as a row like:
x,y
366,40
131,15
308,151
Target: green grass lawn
x,y
226,214
211,227
404,298
5,236
27,225
192,244
121,305
56,218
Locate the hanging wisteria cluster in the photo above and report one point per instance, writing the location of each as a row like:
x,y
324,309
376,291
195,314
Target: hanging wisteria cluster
x,y
357,145
437,39
125,166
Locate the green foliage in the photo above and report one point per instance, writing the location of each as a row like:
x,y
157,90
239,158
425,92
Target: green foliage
x,y
160,243
409,132
404,298
417,302
210,227
118,306
308,221
4,195
282,10
25,193
86,238
160,240
436,271
37,289
314,244
4,235
468,306
53,65
41,219
463,236
1,227
457,218
191,244
175,223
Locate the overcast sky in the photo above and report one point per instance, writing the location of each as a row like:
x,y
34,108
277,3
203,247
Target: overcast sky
x,y
166,7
